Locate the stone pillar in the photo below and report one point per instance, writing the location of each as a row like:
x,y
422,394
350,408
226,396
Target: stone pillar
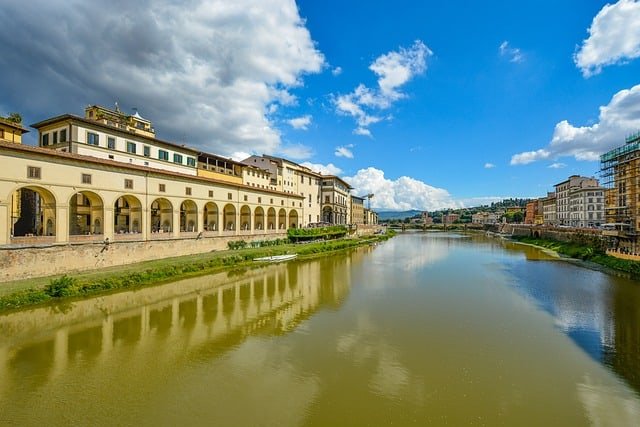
x,y
107,225
175,215
62,223
5,226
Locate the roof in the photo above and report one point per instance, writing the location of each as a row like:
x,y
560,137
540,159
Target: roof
x,y
339,179
14,125
89,159
94,123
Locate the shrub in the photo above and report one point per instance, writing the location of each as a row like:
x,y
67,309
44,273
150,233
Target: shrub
x,y
60,287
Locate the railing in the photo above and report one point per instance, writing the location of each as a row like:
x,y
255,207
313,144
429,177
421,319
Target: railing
x,y
81,238
32,240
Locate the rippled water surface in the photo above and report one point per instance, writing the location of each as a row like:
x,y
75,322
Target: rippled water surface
x,y
423,329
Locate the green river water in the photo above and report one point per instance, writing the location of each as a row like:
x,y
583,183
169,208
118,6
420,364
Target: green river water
x,y
424,329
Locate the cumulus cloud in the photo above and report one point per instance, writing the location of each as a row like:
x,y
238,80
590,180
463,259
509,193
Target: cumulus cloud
x,y
614,37
344,151
336,71
209,71
302,122
489,166
296,151
400,194
617,119
329,169
513,54
393,70
557,165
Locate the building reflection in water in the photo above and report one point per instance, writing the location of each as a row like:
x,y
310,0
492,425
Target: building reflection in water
x,y
209,314
599,312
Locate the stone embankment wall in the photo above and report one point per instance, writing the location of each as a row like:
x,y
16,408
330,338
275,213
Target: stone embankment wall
x,y
47,260
369,229
553,233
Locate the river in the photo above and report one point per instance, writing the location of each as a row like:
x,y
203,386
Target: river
x,y
426,328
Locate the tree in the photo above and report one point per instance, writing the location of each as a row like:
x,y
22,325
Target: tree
x,y
15,118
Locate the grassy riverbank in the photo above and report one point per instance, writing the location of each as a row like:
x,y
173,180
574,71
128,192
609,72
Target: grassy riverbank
x,y
36,291
589,253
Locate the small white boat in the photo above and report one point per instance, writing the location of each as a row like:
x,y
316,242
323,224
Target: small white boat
x,y
276,258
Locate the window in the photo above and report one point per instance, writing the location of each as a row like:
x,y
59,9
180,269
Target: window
x,y
111,156
55,138
86,178
131,147
63,135
93,138
45,139
191,161
187,191
128,184
111,143
326,199
246,198
282,202
210,193
33,172
163,155
229,196
259,199
162,188
271,201
177,158
146,151
1,133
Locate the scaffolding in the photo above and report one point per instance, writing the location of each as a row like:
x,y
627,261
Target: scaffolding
x,y
620,176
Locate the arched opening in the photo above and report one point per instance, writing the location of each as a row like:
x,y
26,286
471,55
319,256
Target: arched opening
x,y
245,218
229,217
33,212
85,213
327,215
271,219
293,219
127,215
282,219
161,216
259,218
188,216
210,220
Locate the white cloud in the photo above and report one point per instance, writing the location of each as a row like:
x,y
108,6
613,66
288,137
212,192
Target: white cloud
x,y
336,71
393,69
618,119
400,194
296,151
302,122
614,37
329,169
512,53
557,165
209,70
344,151
489,166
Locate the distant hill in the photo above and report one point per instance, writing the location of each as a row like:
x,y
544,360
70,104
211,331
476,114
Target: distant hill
x,y
387,215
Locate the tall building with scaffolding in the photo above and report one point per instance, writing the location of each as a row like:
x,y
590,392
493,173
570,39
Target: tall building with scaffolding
x,y
620,173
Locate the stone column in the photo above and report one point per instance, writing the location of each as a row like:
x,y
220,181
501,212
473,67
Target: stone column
x,y
5,226
107,226
62,223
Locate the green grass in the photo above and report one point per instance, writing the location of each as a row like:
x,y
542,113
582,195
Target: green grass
x,y
587,252
35,291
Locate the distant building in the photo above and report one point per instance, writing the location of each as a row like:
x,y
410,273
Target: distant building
x,y
11,131
336,200
450,218
549,214
357,210
370,216
563,195
426,219
534,212
484,218
586,206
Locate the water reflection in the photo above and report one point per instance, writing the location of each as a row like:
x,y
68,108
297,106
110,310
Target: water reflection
x,y
600,312
194,321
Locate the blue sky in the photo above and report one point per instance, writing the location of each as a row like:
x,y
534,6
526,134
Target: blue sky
x,y
426,104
